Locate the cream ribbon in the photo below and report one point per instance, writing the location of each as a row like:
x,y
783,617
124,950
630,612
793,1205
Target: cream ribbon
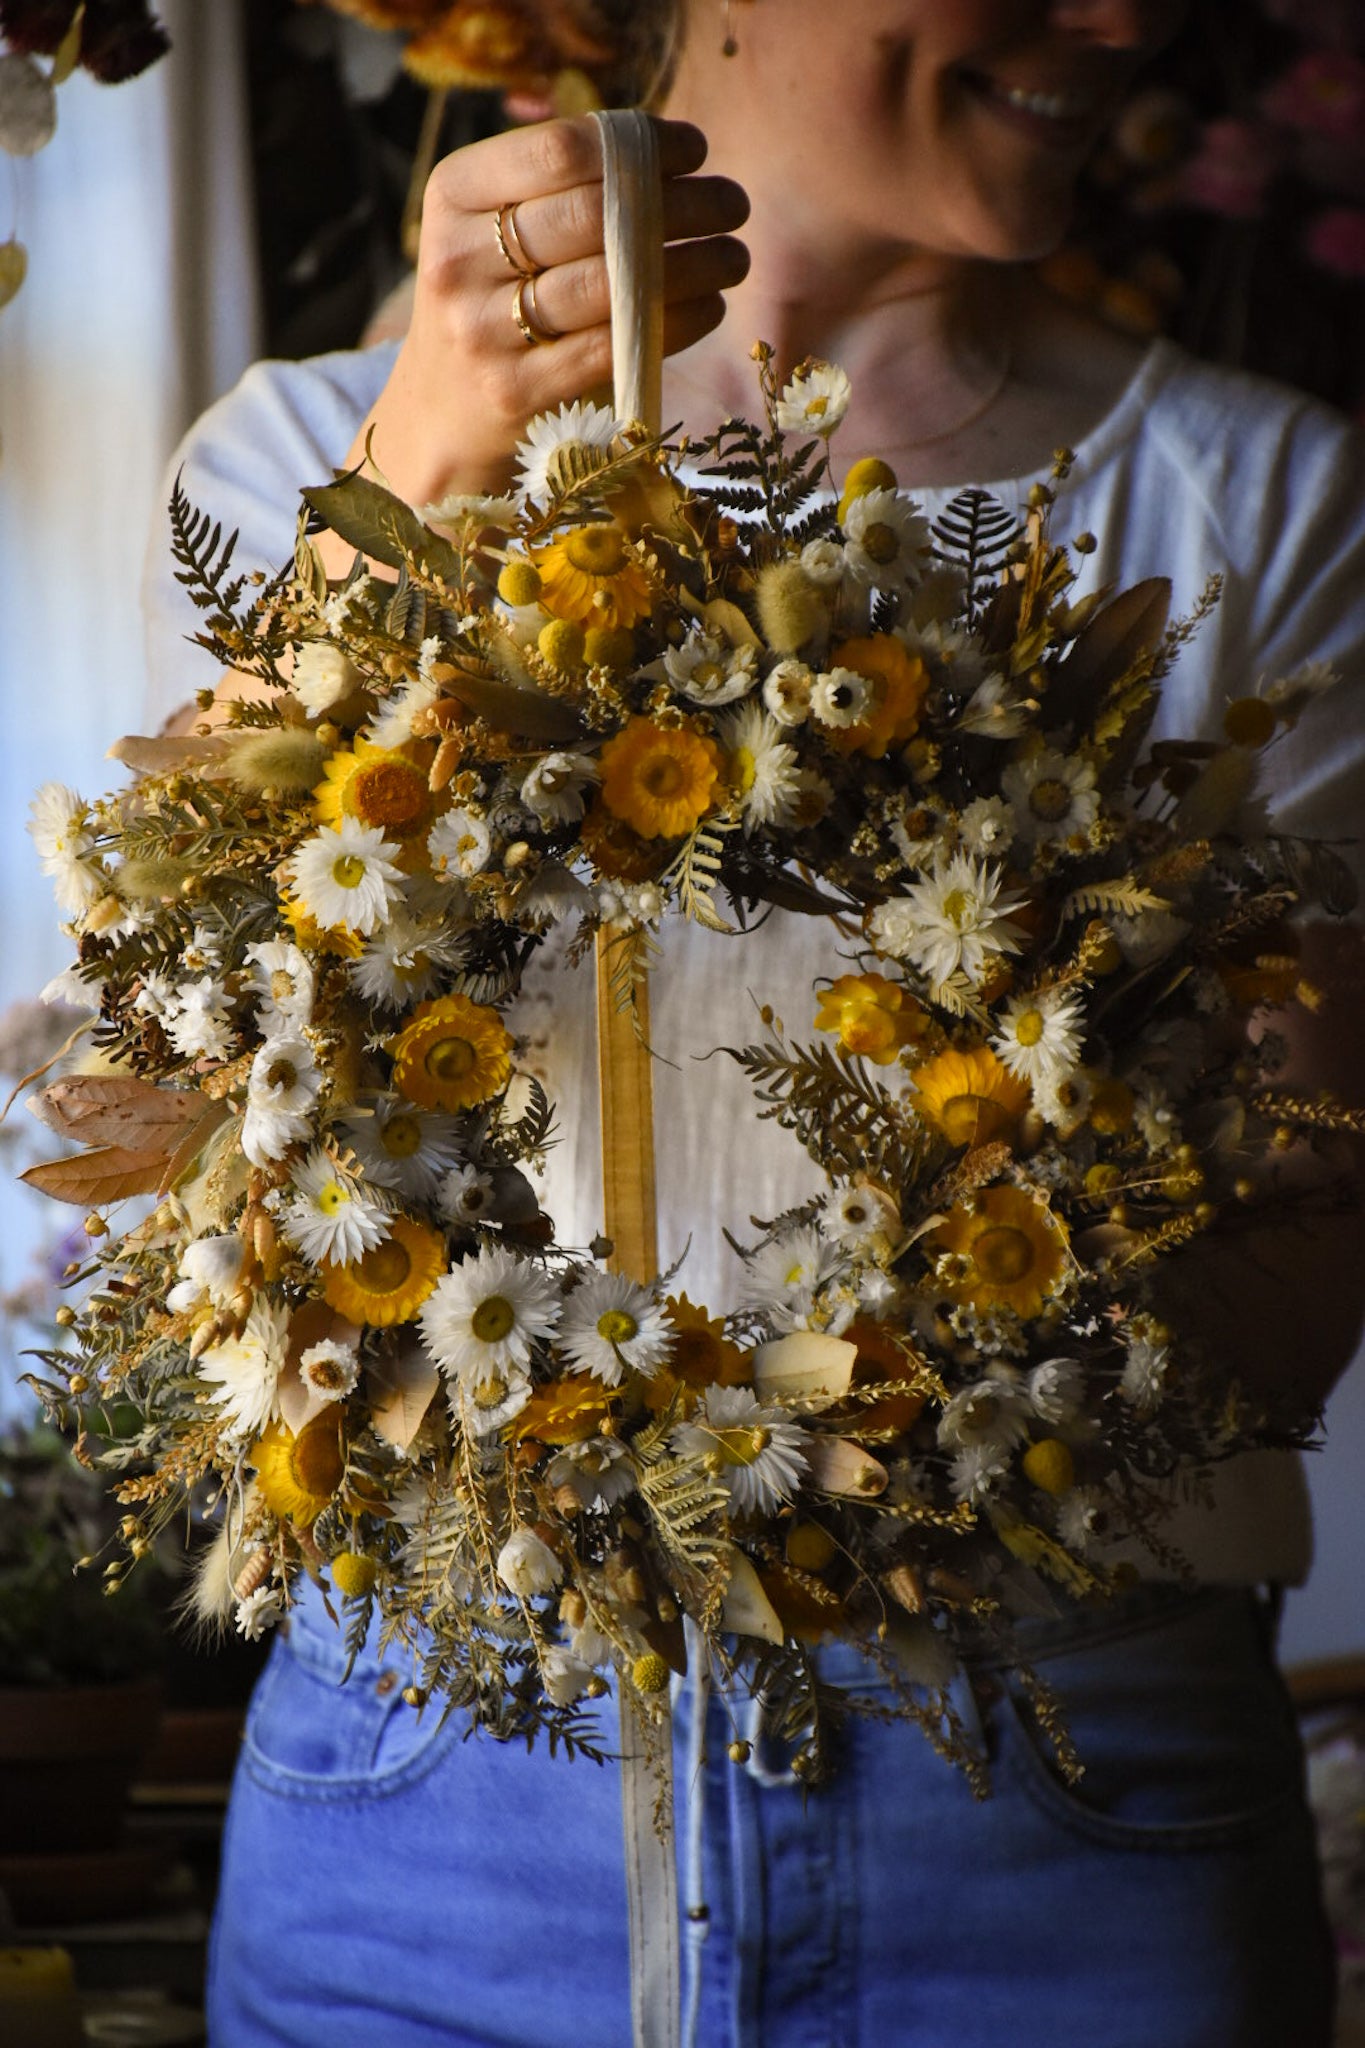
x,y
633,236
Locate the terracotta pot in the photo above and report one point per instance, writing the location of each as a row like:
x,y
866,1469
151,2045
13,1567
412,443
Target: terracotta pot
x,y
67,1757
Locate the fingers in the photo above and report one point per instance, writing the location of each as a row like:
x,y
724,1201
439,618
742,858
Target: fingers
x,y
573,297
541,377
565,226
550,157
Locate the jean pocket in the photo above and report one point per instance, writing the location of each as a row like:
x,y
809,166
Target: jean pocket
x,y
1183,1729
312,1735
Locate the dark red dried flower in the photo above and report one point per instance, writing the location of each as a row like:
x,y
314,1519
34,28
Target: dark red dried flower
x,y
119,38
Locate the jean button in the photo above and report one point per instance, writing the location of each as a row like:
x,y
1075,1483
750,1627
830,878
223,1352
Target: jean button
x,y
386,1683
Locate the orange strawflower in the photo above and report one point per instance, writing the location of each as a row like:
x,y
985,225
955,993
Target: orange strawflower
x,y
873,1016
660,779
899,682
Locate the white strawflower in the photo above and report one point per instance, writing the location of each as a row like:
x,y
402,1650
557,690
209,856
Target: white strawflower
x,y
323,676
815,400
405,962
782,1277
757,1453
329,1219
198,1025
555,787
330,1369
203,951
841,697
1145,1373
823,562
403,1147
282,1089
986,826
466,512
346,875
956,920
761,767
886,541
857,1217
485,1404
609,1323
209,1269
284,975
1085,1518
977,1471
244,1371
466,1195
393,721
599,1471
1053,796
258,1612
786,692
460,843
59,822
991,1412
1056,1389
527,1566
564,1676
487,1314
708,670
552,894
995,709
581,425
1039,1038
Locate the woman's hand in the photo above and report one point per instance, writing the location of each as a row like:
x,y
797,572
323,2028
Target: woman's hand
x,y
466,380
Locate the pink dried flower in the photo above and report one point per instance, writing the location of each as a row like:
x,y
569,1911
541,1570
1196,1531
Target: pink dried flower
x,y
1336,241
1324,92
1231,168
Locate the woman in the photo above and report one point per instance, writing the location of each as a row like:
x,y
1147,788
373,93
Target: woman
x,y
900,162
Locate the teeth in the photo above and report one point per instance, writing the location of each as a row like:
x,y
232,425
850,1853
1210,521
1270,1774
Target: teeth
x,y
1052,106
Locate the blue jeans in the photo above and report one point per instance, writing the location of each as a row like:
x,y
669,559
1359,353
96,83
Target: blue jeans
x,y
387,1883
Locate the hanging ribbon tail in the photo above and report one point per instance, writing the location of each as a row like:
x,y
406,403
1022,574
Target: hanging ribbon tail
x,y
633,223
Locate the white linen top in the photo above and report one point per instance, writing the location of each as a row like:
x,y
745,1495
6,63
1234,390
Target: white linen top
x,y
1194,470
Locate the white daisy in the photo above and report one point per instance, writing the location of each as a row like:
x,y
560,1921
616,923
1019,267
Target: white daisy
x,y
323,676
956,920
554,788
757,1453
786,692
840,697
485,1402
329,1219
392,723
782,1277
346,875
1056,1389
486,1315
282,1088
856,1216
761,767
330,1369
284,975
815,400
986,826
708,670
886,541
610,1323
245,1371
460,843
1039,1039
209,1269
1053,796
406,961
403,1147
466,1196
598,1472
547,456
199,1026
527,1566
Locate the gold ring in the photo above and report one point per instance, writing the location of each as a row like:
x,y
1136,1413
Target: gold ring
x,y
510,242
531,327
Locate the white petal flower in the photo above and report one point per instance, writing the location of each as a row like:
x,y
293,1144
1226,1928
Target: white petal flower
x,y
995,710
485,1404
956,920
887,543
393,721
323,676
986,826
1056,1389
599,1472
259,1611
245,1371
59,823
198,1024
330,1369
823,562
552,894
1039,1038
1085,1518
329,1219
564,1676
609,1323
840,697
1053,796
460,843
761,767
464,512
527,1565
284,975
202,952
546,457
815,400
406,961
466,1195
210,1268
759,1452
346,875
554,788
281,1092
978,1470
708,670
487,1314
403,1147
857,1217
991,1412
1145,1372
786,692
782,1277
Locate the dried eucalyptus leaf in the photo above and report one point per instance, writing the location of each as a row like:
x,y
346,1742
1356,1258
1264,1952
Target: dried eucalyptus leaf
x,y
529,713
1129,627
13,269
28,106
383,527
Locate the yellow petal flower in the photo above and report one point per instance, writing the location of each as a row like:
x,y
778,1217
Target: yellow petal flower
x,y
452,1054
1013,1251
385,787
873,1016
591,574
390,1283
298,1475
899,682
971,1097
660,780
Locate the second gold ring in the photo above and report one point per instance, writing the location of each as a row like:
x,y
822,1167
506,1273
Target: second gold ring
x,y
525,312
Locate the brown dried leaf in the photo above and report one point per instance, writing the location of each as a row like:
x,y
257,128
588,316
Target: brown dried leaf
x,y
148,755
1129,627
401,1390
119,1109
110,1174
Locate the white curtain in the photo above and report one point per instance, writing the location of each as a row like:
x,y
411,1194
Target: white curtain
x,y
140,307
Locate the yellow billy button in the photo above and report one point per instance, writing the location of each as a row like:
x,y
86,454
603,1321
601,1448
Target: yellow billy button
x,y
1049,1466
649,1673
867,474
353,1574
